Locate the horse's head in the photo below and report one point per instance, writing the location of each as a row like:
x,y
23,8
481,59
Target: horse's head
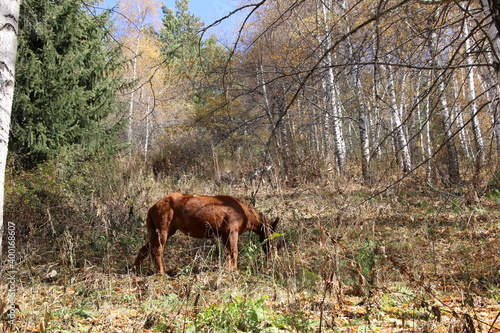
x,y
273,225
266,230
267,227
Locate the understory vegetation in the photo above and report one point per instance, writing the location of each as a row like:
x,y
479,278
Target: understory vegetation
x,y
346,257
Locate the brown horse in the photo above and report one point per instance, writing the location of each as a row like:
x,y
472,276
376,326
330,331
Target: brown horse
x,y
202,217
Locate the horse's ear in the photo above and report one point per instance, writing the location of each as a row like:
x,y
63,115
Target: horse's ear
x,y
275,223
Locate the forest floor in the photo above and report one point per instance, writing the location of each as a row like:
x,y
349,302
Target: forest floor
x,y
409,260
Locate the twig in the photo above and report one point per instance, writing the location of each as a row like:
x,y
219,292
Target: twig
x,y
493,323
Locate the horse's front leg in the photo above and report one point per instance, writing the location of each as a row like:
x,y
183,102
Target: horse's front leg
x,y
231,242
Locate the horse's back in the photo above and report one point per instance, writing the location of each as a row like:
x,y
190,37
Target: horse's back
x,y
189,204
195,214
218,205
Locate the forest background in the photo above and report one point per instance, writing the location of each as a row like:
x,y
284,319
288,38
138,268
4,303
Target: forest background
x,y
371,127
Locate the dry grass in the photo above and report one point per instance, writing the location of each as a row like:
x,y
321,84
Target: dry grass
x,y
410,259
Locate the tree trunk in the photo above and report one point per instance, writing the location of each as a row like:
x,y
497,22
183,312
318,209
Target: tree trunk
x,y
492,9
449,142
334,105
326,123
362,121
132,94
457,114
476,128
401,143
267,106
9,20
146,139
374,118
453,165
428,143
493,109
365,145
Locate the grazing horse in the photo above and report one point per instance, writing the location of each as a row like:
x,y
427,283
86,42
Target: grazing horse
x,y
202,217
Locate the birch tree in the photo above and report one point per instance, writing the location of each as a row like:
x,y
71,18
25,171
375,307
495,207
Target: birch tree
x,y
453,164
9,22
137,17
401,142
476,128
332,89
492,12
428,117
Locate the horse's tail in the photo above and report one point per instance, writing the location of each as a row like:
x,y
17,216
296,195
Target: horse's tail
x,y
145,251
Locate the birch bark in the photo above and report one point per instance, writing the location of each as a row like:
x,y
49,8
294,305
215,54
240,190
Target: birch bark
x,y
362,121
476,128
132,93
401,143
334,104
492,12
428,142
9,20
453,165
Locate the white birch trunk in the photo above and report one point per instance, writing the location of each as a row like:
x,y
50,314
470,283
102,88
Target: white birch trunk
x,y
267,107
492,9
326,122
283,132
425,124
488,81
492,21
146,139
132,93
415,129
463,134
332,90
428,142
9,21
362,122
476,128
401,143
495,116
337,126
337,132
493,109
375,138
453,166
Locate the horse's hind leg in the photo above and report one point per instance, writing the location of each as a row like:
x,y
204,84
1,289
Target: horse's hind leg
x,y
159,246
143,253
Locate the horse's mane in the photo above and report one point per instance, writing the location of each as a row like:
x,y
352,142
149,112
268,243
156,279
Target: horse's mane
x,y
252,210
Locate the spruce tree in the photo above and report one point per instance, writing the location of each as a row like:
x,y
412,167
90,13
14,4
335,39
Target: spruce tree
x,y
180,34
198,62
68,77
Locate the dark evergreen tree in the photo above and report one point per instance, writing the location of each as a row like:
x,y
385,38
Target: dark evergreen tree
x,y
69,72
